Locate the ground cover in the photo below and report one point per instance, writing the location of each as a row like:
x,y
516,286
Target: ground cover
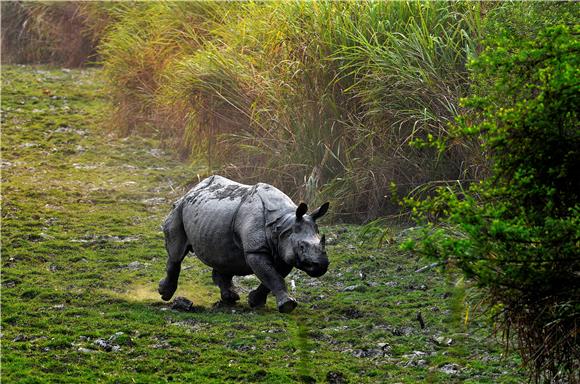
x,y
82,252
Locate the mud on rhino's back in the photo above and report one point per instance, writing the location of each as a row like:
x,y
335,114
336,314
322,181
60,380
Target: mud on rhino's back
x,y
208,211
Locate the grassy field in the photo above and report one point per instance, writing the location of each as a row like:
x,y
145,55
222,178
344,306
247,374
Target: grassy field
x,y
82,252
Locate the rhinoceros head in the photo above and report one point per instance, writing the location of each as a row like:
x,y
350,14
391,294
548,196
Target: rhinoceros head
x,y
304,246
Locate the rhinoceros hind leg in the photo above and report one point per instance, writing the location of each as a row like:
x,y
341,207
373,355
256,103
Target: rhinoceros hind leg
x,y
258,297
177,247
224,282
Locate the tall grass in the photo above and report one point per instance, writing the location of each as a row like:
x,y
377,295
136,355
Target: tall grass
x,y
63,33
135,54
319,98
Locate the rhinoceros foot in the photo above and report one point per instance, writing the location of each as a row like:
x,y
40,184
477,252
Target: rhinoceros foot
x,y
287,305
166,290
257,299
230,297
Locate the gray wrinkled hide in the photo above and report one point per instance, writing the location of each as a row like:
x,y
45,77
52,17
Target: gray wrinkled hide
x,y
238,229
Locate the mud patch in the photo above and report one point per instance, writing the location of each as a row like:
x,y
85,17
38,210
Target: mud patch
x,y
199,295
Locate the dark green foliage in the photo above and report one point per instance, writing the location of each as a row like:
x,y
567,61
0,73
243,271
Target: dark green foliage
x,y
518,232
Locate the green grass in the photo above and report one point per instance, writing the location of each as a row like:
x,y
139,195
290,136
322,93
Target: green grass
x,y
79,205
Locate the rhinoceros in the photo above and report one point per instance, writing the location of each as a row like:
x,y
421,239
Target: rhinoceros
x,y
238,230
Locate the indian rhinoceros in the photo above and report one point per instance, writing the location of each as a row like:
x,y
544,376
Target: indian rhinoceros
x,y
239,229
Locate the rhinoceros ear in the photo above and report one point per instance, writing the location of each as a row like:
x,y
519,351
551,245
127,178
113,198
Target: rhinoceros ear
x,y
301,211
318,213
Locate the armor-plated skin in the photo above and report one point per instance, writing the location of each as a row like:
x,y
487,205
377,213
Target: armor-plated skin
x,y
239,229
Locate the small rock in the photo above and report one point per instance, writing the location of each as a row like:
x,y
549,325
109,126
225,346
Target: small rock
x,y
181,304
20,337
353,313
120,338
441,340
450,369
350,288
155,152
28,145
154,201
330,240
86,350
5,164
104,344
421,363
335,378
403,331
135,265
164,345
385,347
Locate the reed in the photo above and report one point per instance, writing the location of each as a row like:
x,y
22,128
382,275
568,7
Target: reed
x,y
322,99
58,33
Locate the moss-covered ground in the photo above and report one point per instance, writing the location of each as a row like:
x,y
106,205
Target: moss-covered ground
x,y
82,253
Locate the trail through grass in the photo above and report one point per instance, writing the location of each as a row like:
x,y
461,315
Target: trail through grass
x,y
82,253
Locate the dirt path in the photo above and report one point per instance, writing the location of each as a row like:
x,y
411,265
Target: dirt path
x,y
82,253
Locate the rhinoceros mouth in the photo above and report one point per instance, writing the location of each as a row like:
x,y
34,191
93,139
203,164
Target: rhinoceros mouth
x,y
313,269
316,272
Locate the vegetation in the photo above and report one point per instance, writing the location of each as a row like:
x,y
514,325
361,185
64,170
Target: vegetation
x,y
82,252
63,33
354,102
318,98
517,232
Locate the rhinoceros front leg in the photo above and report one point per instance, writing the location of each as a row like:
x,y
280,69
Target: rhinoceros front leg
x,y
272,280
224,282
258,297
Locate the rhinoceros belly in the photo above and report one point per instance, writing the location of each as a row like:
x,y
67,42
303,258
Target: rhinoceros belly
x,y
207,212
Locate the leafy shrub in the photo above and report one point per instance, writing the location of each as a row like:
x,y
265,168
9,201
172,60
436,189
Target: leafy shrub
x,y
517,233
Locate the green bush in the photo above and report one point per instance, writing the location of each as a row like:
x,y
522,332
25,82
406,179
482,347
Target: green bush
x,y
517,233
